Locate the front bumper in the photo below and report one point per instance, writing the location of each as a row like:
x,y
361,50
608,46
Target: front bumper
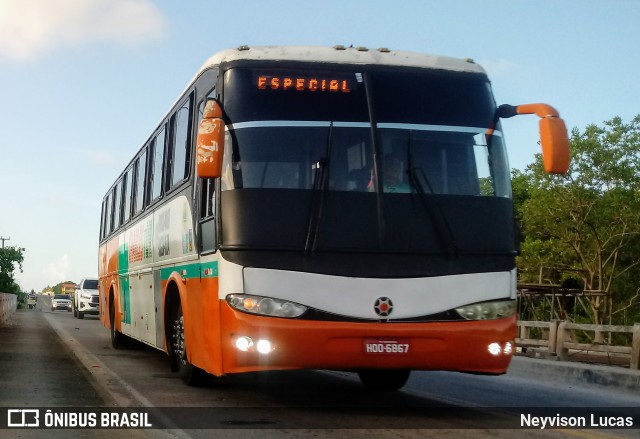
x,y
89,308
465,346
66,306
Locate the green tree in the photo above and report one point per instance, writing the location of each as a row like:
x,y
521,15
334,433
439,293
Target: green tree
x,y
588,221
9,258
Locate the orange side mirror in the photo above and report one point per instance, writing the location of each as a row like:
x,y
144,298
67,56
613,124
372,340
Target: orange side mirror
x,y
555,145
210,141
553,135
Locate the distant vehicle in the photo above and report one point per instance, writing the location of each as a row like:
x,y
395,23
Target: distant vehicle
x,y
61,301
32,300
86,299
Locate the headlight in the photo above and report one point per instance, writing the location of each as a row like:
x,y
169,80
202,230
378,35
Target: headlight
x,y
265,306
488,310
85,295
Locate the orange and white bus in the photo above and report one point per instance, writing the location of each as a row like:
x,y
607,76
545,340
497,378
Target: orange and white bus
x,y
322,208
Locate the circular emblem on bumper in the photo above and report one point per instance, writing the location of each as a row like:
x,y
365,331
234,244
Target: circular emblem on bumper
x,y
383,306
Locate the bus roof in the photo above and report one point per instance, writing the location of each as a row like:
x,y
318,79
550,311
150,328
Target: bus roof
x,y
333,55
342,55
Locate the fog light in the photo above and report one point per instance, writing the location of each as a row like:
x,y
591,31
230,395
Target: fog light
x,y
264,346
508,348
243,343
495,349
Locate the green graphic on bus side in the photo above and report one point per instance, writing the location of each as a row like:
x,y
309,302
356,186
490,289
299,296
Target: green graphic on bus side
x,y
191,271
123,270
125,299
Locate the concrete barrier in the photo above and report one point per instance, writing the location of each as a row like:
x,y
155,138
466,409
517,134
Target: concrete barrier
x,y
8,305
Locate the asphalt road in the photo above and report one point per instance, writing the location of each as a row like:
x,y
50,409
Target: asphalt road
x,y
52,359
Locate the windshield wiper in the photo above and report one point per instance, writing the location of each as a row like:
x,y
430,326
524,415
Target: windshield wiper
x,y
320,186
432,206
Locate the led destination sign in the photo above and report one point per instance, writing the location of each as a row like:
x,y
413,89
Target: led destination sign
x,y
304,83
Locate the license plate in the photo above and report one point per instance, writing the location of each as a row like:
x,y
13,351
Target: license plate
x,y
386,347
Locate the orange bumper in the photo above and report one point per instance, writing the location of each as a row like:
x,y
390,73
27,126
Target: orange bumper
x,y
303,344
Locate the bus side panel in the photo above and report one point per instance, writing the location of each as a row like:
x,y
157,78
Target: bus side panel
x,y
197,286
109,280
204,327
102,285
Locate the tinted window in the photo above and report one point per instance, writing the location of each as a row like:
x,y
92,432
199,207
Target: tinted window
x,y
290,157
103,232
108,217
181,144
141,166
207,199
90,284
117,192
127,191
156,167
432,97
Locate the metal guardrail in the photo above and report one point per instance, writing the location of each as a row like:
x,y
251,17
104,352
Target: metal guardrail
x,y
8,305
556,338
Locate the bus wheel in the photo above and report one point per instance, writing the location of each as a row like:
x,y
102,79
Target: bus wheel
x,y
116,337
384,379
190,374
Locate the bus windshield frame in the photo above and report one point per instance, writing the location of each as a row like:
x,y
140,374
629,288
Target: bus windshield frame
x,y
370,131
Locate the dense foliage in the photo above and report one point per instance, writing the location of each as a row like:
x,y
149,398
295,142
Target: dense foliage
x,y
9,258
586,224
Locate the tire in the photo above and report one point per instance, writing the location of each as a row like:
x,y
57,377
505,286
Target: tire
x,y
384,379
75,311
190,374
80,315
116,337
52,309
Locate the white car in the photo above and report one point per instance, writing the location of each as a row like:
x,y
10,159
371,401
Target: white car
x,y
86,299
61,301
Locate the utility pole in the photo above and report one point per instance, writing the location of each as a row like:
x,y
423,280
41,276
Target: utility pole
x,y
3,239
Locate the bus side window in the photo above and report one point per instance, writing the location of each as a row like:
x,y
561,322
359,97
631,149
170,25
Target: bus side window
x,y
155,170
139,179
103,231
117,205
207,200
207,215
108,226
127,193
181,144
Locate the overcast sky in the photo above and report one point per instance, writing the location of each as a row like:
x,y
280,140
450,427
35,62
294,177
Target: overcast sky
x,y
83,83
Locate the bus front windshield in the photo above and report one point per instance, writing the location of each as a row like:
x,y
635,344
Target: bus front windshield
x,y
374,143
